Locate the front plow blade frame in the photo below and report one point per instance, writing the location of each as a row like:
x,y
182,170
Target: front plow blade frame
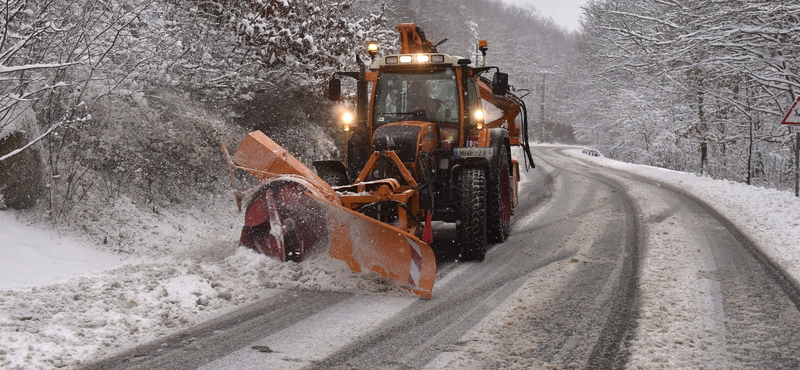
x,y
365,244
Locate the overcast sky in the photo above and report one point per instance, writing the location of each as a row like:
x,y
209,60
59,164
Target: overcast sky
x,y
565,13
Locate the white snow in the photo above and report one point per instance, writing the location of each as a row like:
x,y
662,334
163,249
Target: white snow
x,y
768,217
65,300
34,256
681,323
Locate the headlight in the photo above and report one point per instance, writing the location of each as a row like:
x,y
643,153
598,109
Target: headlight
x,y
347,118
479,119
372,48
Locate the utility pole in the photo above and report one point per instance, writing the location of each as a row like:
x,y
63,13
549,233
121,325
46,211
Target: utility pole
x,y
542,104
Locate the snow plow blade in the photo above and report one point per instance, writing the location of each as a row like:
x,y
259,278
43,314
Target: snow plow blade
x,y
294,212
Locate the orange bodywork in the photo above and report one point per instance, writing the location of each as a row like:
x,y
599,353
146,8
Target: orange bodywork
x,y
412,40
265,160
362,193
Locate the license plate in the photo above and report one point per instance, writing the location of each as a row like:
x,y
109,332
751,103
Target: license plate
x,y
474,152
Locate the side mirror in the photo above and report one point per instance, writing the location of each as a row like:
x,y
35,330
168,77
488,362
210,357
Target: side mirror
x,y
335,89
500,83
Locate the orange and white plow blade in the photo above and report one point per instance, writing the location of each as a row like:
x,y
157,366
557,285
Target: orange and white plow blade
x,y
366,244
289,189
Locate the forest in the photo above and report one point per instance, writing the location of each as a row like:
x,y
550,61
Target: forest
x,y
698,86
102,100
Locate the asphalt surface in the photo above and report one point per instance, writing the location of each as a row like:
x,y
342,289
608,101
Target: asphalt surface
x,y
580,233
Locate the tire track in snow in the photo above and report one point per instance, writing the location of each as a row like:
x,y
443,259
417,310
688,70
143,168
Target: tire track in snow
x,y
610,352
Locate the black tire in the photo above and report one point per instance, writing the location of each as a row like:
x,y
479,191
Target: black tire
x,y
499,199
333,172
334,178
471,227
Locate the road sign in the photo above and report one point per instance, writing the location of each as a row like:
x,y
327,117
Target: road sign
x,y
793,117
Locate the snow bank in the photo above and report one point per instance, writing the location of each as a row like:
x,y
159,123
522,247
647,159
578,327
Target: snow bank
x,y
32,256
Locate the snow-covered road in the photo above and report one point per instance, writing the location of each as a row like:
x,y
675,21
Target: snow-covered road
x,y
543,298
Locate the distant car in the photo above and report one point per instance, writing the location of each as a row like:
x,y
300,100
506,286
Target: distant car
x,y
592,152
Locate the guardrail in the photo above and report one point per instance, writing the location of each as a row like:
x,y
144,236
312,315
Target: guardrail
x,y
591,152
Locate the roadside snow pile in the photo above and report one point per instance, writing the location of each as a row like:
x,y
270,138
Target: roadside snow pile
x,y
65,302
317,272
33,256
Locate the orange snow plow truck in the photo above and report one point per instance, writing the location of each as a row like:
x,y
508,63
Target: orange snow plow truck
x,y
419,148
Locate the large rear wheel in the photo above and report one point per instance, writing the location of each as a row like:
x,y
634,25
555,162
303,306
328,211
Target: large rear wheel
x,y
499,199
471,226
334,178
332,172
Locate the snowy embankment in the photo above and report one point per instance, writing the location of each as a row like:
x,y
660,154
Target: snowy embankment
x,y
65,301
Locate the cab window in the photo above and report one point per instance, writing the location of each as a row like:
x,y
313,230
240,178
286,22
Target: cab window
x,y
406,96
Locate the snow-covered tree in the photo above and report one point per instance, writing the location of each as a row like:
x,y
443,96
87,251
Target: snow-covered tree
x,y
720,73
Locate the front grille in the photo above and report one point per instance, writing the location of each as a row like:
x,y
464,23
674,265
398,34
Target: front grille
x,y
401,139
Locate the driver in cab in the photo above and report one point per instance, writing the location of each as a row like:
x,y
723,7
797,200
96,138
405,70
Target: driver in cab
x,y
419,101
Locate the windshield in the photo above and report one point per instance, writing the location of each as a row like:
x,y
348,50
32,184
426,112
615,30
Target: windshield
x,y
408,96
